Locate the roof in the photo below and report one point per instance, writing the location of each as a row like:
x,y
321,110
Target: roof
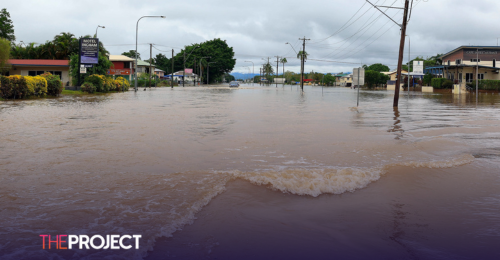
x,y
27,62
159,70
143,63
469,47
120,58
394,71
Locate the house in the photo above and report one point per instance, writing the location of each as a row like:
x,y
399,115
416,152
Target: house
x,y
122,66
28,67
144,67
465,64
159,73
393,75
345,80
179,75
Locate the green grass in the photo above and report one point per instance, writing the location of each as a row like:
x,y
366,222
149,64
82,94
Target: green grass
x,y
72,92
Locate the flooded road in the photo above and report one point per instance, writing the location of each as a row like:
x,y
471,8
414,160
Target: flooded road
x,y
148,162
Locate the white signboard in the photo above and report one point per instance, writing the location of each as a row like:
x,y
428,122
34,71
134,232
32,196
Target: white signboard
x,y
361,78
418,66
83,69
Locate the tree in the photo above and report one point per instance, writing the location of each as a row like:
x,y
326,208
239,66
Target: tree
x,y
100,69
131,54
378,67
300,54
375,78
6,27
4,54
268,71
329,79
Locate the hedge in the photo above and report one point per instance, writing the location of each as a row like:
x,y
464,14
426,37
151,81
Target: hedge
x,y
488,84
13,87
88,87
54,84
441,83
98,81
37,85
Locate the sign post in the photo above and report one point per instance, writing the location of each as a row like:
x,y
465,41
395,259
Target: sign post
x,y
358,79
88,55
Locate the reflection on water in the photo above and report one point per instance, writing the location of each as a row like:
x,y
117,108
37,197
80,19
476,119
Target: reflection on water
x,y
146,162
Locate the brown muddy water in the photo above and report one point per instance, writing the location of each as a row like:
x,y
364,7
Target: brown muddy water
x,y
253,173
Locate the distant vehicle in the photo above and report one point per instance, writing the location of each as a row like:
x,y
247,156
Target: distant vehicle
x,y
234,84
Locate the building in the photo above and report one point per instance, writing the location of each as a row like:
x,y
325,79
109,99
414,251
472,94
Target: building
x,y
393,75
26,67
465,64
190,77
144,67
159,73
122,66
345,80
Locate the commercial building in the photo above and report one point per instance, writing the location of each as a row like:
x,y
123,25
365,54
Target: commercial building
x,y
27,67
465,64
122,66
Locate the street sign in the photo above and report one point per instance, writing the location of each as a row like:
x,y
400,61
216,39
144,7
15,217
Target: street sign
x,y
83,69
88,65
89,50
361,78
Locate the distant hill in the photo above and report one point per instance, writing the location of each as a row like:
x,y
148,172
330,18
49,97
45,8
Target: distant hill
x,y
238,75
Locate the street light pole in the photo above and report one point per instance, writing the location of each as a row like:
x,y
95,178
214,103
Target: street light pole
x,y
98,28
253,70
136,33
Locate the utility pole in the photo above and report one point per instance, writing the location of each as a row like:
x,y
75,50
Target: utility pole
x,y
277,69
401,46
401,51
302,62
184,71
194,71
172,77
150,61
260,76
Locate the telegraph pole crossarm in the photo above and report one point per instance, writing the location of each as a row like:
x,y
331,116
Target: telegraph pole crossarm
x,y
386,14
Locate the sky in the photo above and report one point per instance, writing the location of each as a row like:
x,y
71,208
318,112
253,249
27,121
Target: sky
x,y
343,33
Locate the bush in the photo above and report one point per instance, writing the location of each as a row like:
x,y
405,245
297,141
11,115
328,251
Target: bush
x,y
54,84
428,79
88,87
488,84
447,84
437,83
122,83
109,84
98,81
14,87
37,85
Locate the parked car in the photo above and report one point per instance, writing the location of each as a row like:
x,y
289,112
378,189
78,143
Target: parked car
x,y
234,84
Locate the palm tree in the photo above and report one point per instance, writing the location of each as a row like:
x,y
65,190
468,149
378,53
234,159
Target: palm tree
x,y
283,60
65,44
300,54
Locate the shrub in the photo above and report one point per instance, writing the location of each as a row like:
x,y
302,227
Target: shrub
x,y
123,83
54,84
88,87
437,83
14,87
109,84
488,84
98,81
37,85
447,84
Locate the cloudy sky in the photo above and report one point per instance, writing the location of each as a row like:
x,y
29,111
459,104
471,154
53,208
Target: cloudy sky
x,y
342,33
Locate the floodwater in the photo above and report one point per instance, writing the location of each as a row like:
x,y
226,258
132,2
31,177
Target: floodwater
x,y
253,173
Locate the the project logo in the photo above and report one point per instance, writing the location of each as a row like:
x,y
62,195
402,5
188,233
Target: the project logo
x,y
95,242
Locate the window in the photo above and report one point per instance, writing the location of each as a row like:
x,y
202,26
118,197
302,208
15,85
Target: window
x,y
480,76
448,62
126,65
475,60
469,77
494,62
460,77
458,62
35,73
